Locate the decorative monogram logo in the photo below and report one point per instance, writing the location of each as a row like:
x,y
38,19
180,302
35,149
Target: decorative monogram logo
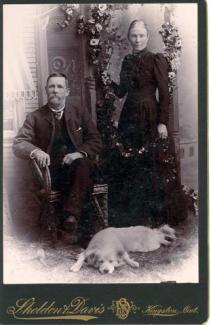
x,y
122,308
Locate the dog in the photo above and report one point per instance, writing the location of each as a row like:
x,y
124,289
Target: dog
x,y
110,247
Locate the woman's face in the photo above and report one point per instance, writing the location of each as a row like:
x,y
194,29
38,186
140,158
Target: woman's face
x,y
138,37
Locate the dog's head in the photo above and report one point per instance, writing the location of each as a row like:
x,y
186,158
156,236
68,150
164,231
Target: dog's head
x,y
104,261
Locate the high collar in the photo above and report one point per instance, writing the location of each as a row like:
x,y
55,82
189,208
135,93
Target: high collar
x,y
140,53
56,110
57,113
48,114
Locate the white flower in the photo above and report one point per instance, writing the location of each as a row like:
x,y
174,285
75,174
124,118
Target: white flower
x,y
102,7
178,43
99,27
185,188
69,11
141,150
194,196
126,154
106,80
94,41
172,75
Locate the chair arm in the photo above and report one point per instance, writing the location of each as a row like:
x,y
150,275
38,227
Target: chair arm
x,y
41,176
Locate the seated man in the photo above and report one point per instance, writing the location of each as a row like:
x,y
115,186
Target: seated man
x,y
64,138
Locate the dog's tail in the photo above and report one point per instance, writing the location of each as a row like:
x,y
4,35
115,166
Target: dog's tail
x,y
168,231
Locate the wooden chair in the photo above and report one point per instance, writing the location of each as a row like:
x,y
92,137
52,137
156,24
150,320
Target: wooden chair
x,y
50,202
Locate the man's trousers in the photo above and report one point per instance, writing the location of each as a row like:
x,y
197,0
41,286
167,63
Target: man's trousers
x,y
76,183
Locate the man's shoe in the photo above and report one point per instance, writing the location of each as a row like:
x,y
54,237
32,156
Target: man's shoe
x,y
69,229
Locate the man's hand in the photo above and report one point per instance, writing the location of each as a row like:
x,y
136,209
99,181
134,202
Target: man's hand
x,y
162,131
70,157
42,158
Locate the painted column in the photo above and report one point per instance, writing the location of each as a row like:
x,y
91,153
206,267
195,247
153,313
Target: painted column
x,y
174,112
90,86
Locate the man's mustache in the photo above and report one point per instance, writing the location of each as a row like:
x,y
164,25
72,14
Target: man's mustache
x,y
54,96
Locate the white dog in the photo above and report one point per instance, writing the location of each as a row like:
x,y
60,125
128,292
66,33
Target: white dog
x,y
109,248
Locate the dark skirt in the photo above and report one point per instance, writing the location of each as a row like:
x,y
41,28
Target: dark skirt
x,y
138,122
144,189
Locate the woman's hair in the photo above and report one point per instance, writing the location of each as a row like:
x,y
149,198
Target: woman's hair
x,y
135,22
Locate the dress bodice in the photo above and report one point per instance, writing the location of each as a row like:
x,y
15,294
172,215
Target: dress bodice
x,y
141,74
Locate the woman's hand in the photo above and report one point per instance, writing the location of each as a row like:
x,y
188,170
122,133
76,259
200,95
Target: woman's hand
x,y
162,131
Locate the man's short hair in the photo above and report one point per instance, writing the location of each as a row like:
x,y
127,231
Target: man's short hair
x,y
58,74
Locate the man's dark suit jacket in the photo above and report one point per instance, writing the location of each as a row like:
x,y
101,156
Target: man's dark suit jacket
x,y
38,132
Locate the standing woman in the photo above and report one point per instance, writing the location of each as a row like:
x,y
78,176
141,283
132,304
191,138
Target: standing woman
x,y
143,118
143,121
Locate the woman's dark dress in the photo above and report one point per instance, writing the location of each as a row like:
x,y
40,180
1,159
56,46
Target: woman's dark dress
x,y
142,194
140,76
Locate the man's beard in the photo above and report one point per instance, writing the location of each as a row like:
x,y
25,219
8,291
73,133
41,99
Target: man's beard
x,y
55,101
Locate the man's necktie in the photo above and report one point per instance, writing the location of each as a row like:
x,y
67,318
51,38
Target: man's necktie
x,y
58,115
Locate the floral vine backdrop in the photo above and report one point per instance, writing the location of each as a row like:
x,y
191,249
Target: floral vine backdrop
x,y
103,39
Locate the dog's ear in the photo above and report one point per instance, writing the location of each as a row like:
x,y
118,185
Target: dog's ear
x,y
92,257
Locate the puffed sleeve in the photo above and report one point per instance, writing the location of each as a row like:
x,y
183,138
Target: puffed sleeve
x,y
121,89
161,75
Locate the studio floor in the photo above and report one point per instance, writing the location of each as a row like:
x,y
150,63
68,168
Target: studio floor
x,y
31,261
